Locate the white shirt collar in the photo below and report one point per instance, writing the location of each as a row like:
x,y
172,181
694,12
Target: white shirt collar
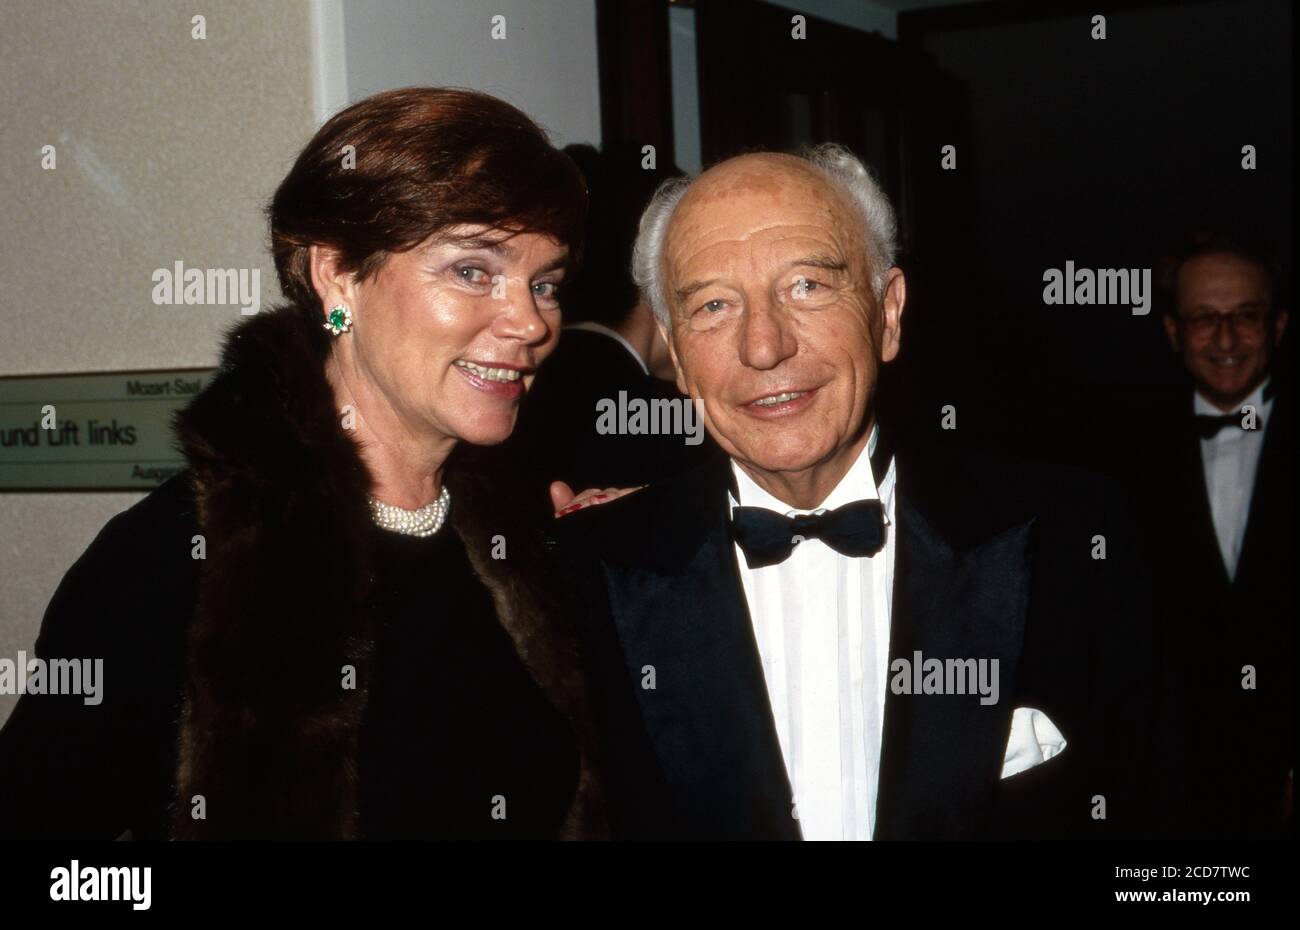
x,y
857,484
1255,398
588,327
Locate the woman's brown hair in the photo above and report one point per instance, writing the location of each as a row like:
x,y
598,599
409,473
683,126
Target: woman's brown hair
x,y
390,171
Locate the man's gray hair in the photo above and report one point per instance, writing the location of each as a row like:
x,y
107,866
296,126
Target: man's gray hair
x,y
835,163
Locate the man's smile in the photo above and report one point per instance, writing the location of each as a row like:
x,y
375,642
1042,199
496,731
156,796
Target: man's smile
x,y
780,403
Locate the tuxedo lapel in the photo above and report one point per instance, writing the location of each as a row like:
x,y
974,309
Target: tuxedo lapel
x,y
680,613
684,627
1271,498
941,754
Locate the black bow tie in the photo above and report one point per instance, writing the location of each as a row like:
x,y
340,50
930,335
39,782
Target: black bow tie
x,y
768,538
1208,425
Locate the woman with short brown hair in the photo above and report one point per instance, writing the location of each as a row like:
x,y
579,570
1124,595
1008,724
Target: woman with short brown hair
x,y
365,647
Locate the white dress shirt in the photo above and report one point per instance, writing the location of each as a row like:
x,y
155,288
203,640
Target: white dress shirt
x,y
1231,458
821,622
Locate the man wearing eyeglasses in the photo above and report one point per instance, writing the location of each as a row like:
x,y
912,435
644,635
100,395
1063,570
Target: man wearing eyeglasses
x,y
1221,535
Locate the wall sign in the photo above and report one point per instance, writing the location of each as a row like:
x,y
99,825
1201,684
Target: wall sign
x,y
93,431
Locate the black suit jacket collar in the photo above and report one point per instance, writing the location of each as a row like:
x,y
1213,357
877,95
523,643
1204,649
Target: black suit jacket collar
x,y
1268,519
961,590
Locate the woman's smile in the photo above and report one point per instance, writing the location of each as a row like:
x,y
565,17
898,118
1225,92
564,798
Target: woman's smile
x,y
498,379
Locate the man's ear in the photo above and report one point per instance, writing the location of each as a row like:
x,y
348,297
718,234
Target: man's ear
x,y
332,285
892,315
672,354
1279,326
1171,331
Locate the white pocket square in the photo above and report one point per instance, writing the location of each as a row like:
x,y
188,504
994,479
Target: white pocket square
x,y
1034,739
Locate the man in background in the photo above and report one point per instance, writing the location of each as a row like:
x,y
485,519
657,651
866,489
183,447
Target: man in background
x,y
1216,486
610,347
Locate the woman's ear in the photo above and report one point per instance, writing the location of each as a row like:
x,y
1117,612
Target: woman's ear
x,y
332,285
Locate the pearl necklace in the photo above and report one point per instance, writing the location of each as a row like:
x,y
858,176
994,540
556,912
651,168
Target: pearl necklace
x,y
424,521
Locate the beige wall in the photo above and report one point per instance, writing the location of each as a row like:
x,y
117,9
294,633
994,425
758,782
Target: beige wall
x,y
167,148
545,64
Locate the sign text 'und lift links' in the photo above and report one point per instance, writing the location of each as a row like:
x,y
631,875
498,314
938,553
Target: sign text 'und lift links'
x,y
93,432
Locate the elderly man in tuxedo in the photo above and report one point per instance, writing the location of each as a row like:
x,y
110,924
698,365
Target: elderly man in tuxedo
x,y
810,636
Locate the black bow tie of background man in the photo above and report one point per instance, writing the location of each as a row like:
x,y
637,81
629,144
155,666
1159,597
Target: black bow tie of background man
x,y
767,538
1208,425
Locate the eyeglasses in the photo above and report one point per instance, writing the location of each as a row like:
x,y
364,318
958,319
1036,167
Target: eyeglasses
x,y
1243,322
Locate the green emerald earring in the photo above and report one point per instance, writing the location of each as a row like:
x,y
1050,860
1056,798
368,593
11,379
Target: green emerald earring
x,y
339,319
